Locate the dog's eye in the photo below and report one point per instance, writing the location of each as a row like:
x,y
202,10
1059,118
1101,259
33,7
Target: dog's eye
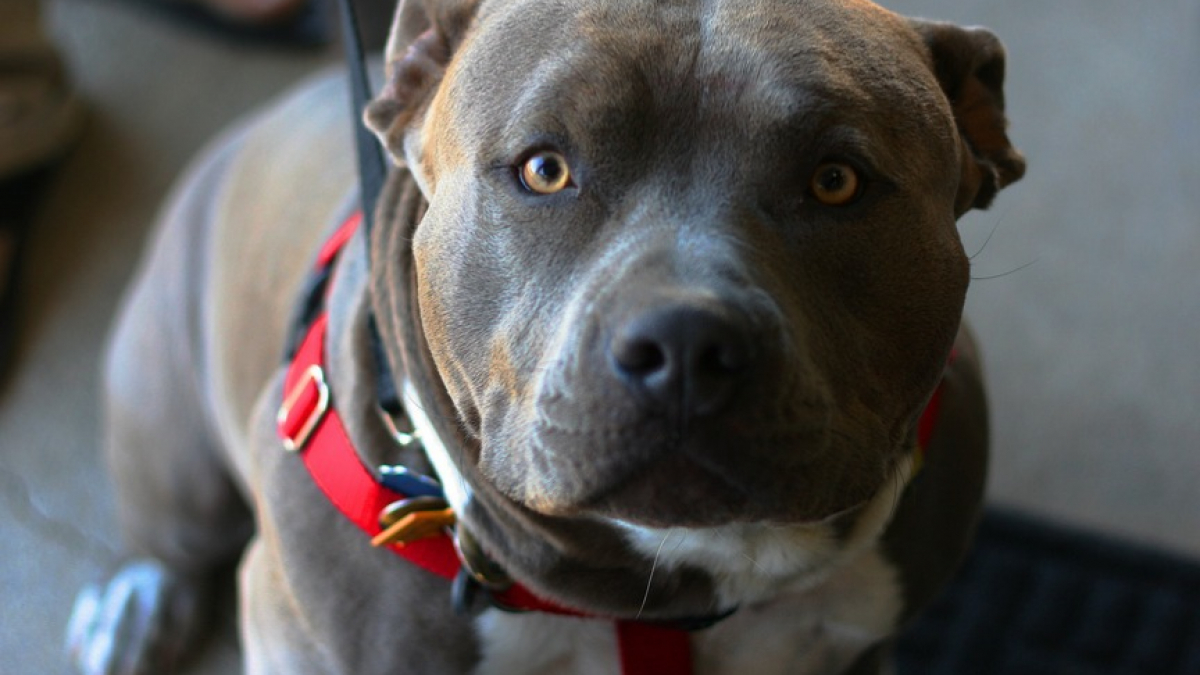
x,y
545,173
835,184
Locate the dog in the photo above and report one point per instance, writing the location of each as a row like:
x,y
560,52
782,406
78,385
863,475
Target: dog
x,y
666,290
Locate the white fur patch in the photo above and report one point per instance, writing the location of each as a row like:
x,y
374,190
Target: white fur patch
x,y
809,602
458,493
546,644
751,562
809,631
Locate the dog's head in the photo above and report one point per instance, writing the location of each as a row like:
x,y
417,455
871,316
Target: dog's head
x,y
691,264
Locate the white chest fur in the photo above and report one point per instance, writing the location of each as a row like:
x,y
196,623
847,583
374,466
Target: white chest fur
x,y
809,603
544,644
813,631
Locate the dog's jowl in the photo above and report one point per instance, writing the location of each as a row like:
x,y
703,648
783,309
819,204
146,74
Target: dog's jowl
x,y
657,338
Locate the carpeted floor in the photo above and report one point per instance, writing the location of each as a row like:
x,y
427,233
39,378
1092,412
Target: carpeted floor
x,y
1086,299
1040,599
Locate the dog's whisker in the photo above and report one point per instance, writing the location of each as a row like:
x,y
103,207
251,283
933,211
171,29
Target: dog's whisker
x,y
986,241
753,562
682,541
897,494
1031,263
653,569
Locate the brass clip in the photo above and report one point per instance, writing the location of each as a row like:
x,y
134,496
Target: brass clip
x,y
410,520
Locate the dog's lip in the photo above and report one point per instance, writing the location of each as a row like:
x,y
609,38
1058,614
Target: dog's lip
x,y
677,483
681,490
737,515
634,523
677,490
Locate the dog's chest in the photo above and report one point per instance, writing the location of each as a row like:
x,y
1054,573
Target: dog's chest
x,y
821,630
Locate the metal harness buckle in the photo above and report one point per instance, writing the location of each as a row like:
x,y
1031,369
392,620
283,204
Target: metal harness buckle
x,y
311,407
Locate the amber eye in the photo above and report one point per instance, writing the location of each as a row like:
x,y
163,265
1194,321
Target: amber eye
x,y
545,173
835,184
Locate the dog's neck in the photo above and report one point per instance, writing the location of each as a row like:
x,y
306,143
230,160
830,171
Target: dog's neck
x,y
578,562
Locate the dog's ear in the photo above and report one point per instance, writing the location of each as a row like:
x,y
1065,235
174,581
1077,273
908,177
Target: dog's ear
x,y
424,36
969,65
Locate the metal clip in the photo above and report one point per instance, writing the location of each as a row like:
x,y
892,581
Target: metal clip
x,y
409,483
410,520
403,438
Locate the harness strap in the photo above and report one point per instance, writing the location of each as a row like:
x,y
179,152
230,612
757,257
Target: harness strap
x,y
653,650
333,463
927,423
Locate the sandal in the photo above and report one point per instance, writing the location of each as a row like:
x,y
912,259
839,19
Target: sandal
x,y
307,25
40,119
18,197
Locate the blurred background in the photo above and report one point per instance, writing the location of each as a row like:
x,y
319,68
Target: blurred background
x,y
1086,296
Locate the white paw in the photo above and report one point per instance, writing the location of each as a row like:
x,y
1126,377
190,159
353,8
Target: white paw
x,y
141,623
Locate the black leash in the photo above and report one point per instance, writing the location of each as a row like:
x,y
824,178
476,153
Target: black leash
x,y
372,168
372,171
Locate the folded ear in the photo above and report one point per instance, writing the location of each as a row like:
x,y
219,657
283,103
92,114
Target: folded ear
x,y
424,36
969,65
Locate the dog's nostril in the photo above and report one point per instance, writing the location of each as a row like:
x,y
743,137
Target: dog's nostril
x,y
681,357
722,357
639,357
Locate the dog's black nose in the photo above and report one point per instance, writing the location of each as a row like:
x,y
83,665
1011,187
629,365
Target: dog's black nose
x,y
686,358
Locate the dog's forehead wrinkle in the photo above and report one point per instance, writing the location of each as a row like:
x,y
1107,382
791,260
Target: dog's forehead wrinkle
x,y
727,78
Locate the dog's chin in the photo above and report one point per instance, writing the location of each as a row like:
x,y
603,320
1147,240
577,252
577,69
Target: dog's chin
x,y
675,492
679,491
705,504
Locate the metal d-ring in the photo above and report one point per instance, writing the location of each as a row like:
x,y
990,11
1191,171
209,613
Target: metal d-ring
x,y
403,438
487,572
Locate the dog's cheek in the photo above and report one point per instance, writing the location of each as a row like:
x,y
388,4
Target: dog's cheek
x,y
485,321
453,318
894,315
924,322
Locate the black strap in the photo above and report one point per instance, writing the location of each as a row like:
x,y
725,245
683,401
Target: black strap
x,y
312,303
372,168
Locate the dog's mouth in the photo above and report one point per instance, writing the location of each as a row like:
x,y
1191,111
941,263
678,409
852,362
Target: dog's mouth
x,y
650,474
678,491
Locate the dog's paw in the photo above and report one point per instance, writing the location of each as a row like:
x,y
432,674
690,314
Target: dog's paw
x,y
142,622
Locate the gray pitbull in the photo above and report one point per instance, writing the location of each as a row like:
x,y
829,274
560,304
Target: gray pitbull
x,y
666,286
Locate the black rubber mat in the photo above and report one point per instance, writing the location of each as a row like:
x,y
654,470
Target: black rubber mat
x,y
1038,599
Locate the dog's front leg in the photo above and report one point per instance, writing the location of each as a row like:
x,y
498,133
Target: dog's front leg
x,y
182,516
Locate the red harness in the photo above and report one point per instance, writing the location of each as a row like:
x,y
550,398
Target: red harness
x,y
309,425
